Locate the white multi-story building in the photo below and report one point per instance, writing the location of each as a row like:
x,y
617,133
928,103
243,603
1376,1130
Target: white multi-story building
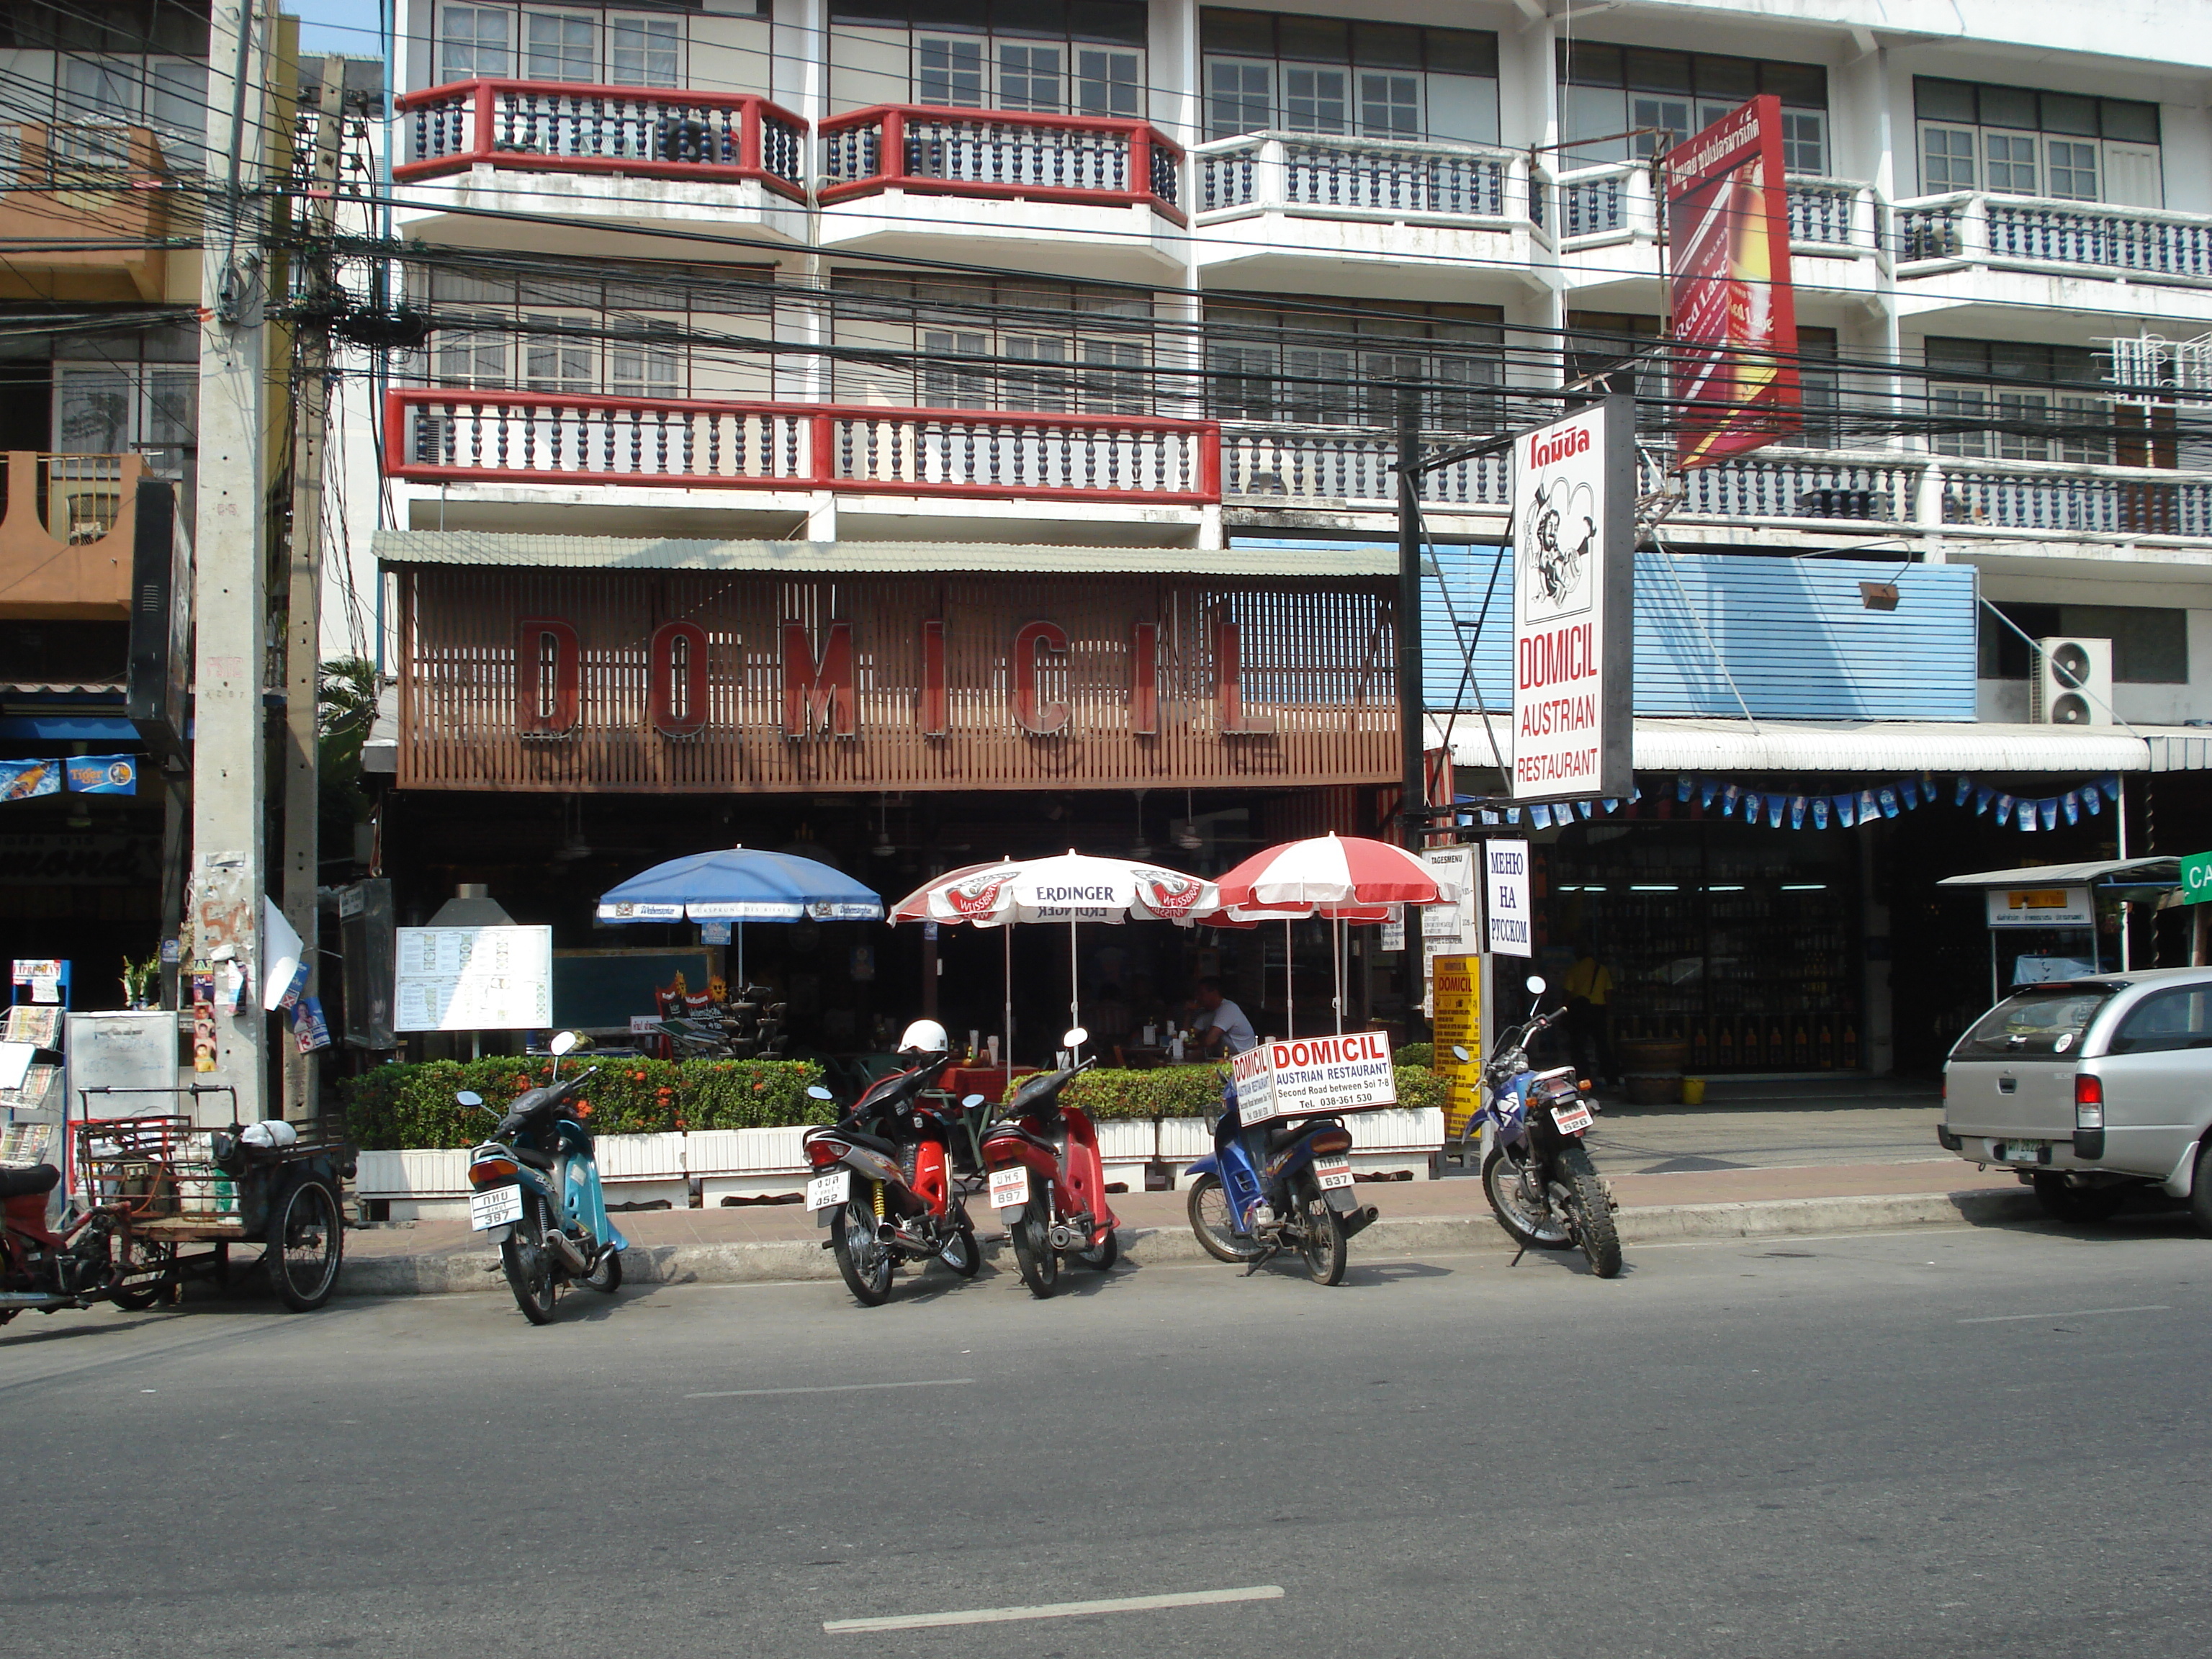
x,y
1149,276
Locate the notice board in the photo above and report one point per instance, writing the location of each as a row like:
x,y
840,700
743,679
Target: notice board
x,y
472,978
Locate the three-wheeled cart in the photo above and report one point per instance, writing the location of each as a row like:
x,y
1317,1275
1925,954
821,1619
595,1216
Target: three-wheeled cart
x,y
173,1185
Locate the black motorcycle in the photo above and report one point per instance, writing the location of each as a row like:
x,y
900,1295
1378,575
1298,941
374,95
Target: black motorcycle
x,y
893,1174
1536,1172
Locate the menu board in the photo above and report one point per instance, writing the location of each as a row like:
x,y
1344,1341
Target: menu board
x,y
472,978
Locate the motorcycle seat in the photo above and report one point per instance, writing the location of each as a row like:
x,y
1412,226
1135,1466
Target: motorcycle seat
x,y
873,1143
33,1182
1288,1134
1015,1132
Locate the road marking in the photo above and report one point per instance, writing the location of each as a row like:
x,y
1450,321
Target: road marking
x,y
2078,1313
1054,1610
833,1387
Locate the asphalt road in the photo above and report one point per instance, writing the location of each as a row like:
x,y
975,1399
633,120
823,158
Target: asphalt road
x,y
1955,1442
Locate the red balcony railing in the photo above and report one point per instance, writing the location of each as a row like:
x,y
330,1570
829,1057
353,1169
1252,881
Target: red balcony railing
x,y
435,436
967,152
551,126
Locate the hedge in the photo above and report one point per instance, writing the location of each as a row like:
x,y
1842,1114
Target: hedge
x,y
1415,1054
1195,1092
400,1106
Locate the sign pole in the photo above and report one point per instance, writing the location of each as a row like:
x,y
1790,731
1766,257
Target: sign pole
x,y
1413,773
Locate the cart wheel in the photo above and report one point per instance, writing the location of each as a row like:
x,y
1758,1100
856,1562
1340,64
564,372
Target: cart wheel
x,y
135,1259
305,1244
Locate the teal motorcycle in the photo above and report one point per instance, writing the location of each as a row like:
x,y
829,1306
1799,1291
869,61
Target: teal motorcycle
x,y
536,1192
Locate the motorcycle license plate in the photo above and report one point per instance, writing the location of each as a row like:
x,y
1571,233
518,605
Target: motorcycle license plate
x,y
495,1206
1010,1188
1332,1172
1572,1120
825,1191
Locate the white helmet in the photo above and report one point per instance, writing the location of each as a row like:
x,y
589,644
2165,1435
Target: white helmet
x,y
924,1036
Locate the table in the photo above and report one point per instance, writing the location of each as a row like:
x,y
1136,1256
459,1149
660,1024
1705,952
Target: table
x,y
989,1081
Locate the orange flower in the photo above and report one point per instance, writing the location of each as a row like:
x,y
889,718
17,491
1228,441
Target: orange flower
x,y
583,1109
758,1087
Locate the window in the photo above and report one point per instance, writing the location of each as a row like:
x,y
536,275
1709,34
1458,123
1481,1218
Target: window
x,y
2166,1021
2028,142
134,396
1106,83
1029,78
2031,1022
1276,360
1262,72
473,44
560,46
992,345
950,72
644,371
2026,406
643,52
1605,90
2150,644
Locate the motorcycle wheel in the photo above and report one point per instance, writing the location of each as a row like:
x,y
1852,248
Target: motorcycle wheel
x,y
1033,1253
866,1265
1321,1242
964,1254
606,1276
135,1258
306,1245
1590,1209
1208,1209
1501,1185
528,1264
1102,1256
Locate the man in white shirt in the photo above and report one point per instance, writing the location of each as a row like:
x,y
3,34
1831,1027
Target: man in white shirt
x,y
1221,1025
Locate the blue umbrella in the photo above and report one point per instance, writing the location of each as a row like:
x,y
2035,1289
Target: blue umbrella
x,y
740,884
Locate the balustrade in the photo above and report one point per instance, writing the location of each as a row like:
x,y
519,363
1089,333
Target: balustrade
x,y
1327,176
1051,158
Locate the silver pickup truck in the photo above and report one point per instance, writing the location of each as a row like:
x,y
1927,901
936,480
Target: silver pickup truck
x,y
2088,1087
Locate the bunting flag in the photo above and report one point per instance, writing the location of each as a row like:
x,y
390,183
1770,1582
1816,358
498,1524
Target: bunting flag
x,y
1850,809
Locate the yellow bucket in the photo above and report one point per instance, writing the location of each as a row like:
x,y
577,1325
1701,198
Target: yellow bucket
x,y
1693,1092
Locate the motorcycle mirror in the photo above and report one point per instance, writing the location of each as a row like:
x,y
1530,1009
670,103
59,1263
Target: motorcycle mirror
x,y
971,1103
563,1042
469,1097
1074,1038
816,1091
1535,985
1460,1054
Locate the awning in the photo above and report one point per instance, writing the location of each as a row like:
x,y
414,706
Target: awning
x,y
2098,872
1869,746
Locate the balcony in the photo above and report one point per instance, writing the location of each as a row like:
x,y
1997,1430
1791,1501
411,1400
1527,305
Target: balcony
x,y
74,196
66,535
1269,205
675,444
624,153
1114,184
2022,240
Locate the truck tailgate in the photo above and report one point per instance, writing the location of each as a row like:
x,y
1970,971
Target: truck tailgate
x,y
2028,1097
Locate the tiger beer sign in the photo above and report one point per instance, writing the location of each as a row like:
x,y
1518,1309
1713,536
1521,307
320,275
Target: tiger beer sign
x,y
1574,496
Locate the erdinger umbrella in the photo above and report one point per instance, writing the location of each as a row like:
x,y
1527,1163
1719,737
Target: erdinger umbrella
x,y
1070,888
740,884
1340,879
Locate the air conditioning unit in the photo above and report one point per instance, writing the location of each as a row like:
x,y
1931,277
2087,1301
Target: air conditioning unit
x,y
2072,684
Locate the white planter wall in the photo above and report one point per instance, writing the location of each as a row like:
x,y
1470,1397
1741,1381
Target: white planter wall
x,y
748,1163
1393,1138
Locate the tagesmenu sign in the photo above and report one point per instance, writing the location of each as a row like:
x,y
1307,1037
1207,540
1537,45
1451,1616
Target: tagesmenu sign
x,y
1313,1077
472,978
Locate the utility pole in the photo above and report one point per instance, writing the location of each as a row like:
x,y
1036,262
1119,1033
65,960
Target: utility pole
x,y
230,578
1412,712
303,618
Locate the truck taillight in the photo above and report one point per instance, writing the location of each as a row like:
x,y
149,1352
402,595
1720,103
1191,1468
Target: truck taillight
x,y
2088,1102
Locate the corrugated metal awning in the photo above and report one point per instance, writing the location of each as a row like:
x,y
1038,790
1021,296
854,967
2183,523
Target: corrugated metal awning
x,y
2138,873
2179,751
507,549
1872,746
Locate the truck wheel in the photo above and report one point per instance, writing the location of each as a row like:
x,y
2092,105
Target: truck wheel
x,y
2200,1191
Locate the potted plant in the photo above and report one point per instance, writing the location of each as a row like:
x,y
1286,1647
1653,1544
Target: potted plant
x,y
139,981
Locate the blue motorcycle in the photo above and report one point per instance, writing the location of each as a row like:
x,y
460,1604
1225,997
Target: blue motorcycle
x,y
1277,1185
537,1193
1536,1172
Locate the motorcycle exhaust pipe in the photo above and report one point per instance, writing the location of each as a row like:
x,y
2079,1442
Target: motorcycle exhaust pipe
x,y
565,1248
1064,1238
1353,1223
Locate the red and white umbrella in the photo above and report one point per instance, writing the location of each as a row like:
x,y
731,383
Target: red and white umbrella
x,y
1340,879
1071,887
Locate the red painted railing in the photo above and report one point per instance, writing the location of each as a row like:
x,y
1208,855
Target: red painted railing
x,y
555,126
435,436
1001,152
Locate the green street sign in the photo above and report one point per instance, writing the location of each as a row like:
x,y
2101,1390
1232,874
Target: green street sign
x,y
2197,879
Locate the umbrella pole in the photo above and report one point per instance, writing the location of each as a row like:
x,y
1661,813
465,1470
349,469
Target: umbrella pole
x,y
1338,951
1074,987
1008,1055
1289,988
741,959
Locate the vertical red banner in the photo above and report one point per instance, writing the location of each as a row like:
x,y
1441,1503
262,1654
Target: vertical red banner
x,y
935,712
1735,336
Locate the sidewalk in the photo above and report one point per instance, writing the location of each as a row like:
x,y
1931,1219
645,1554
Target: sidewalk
x,y
1678,1175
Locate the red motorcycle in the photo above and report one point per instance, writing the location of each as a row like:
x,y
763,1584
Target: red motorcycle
x,y
1047,1181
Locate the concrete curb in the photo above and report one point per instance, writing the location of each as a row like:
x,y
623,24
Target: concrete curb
x,y
1671,1223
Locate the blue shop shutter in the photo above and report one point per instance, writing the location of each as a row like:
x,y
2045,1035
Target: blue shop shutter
x,y
1794,633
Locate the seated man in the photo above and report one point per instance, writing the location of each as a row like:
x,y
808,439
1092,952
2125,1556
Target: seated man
x,y
1221,1026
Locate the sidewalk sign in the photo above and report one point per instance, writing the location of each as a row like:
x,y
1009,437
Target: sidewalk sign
x,y
1463,984
1311,1077
1451,930
1506,875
